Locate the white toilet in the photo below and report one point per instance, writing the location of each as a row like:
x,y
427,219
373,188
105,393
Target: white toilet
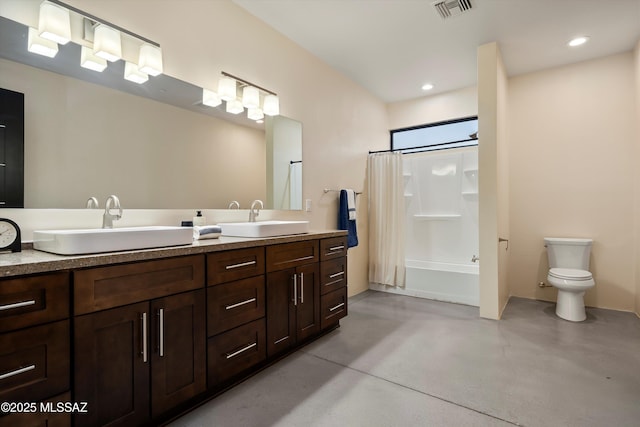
x,y
569,272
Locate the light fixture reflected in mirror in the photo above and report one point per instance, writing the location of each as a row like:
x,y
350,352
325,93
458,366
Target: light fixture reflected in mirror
x,y
255,114
90,61
36,44
234,106
54,23
210,98
132,73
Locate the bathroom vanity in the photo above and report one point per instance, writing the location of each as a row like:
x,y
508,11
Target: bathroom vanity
x,y
139,337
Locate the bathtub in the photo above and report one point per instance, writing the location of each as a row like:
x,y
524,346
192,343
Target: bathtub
x,y
440,281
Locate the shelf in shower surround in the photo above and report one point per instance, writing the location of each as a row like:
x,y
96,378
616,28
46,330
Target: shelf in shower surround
x,y
436,217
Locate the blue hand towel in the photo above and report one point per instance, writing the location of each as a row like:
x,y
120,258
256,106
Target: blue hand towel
x,y
344,223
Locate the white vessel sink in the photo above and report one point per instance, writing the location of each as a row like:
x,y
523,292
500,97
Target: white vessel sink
x,y
89,241
264,228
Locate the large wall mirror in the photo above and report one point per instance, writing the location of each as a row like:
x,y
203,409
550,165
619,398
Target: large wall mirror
x,y
154,145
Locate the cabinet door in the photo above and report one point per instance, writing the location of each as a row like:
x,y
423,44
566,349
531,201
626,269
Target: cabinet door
x,y
308,303
111,366
281,311
178,339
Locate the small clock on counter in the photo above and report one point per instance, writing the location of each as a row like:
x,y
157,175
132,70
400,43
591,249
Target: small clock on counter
x,y
9,236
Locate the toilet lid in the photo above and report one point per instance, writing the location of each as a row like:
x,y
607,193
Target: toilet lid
x,y
570,274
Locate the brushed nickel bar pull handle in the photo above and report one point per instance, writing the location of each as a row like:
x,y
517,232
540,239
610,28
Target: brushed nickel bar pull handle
x,y
242,350
295,289
161,330
333,276
337,307
3,126
301,288
242,264
302,258
143,317
281,339
17,372
17,305
229,307
336,248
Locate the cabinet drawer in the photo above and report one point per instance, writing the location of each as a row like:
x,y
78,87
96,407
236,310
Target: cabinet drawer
x,y
34,362
333,307
334,247
106,287
287,255
233,265
235,303
32,301
235,351
333,275
44,419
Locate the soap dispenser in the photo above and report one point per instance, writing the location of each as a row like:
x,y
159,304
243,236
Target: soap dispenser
x,y
199,220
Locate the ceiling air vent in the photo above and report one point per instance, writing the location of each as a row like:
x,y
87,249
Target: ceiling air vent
x,y
448,8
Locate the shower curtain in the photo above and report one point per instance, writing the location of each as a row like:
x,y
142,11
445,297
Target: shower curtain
x,y
386,219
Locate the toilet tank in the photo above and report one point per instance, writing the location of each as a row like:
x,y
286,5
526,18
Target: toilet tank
x,y
568,253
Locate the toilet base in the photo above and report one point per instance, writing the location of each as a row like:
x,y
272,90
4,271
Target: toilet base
x,y
570,306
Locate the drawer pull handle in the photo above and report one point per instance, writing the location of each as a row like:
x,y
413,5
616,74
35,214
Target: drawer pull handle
x,y
281,339
242,350
229,307
302,258
337,307
17,305
336,248
143,318
242,264
295,289
333,276
17,372
161,330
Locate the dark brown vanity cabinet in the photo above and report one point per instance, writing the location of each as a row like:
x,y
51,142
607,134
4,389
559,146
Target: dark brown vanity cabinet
x,y
293,294
235,313
137,361
34,345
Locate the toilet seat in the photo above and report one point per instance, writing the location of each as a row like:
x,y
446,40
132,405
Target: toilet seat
x,y
570,274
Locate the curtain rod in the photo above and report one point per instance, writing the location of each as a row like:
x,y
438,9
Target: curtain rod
x,y
423,146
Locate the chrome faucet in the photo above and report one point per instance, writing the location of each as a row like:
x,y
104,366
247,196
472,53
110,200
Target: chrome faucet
x,y
234,203
108,217
255,211
92,203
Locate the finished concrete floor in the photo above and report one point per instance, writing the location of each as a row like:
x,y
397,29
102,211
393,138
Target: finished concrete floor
x,y
402,361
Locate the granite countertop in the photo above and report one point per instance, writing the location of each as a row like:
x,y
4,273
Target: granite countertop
x,y
31,261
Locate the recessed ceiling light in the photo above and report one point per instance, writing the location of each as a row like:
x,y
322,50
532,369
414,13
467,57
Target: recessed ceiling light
x,y
427,86
578,41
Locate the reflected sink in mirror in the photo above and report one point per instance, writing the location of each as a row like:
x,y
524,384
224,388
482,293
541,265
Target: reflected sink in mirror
x,y
264,228
90,241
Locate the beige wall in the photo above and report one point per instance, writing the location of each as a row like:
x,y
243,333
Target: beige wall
x,y
436,108
492,181
637,178
572,136
341,120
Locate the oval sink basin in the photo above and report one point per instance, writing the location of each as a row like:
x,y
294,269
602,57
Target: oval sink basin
x,y
264,228
90,241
